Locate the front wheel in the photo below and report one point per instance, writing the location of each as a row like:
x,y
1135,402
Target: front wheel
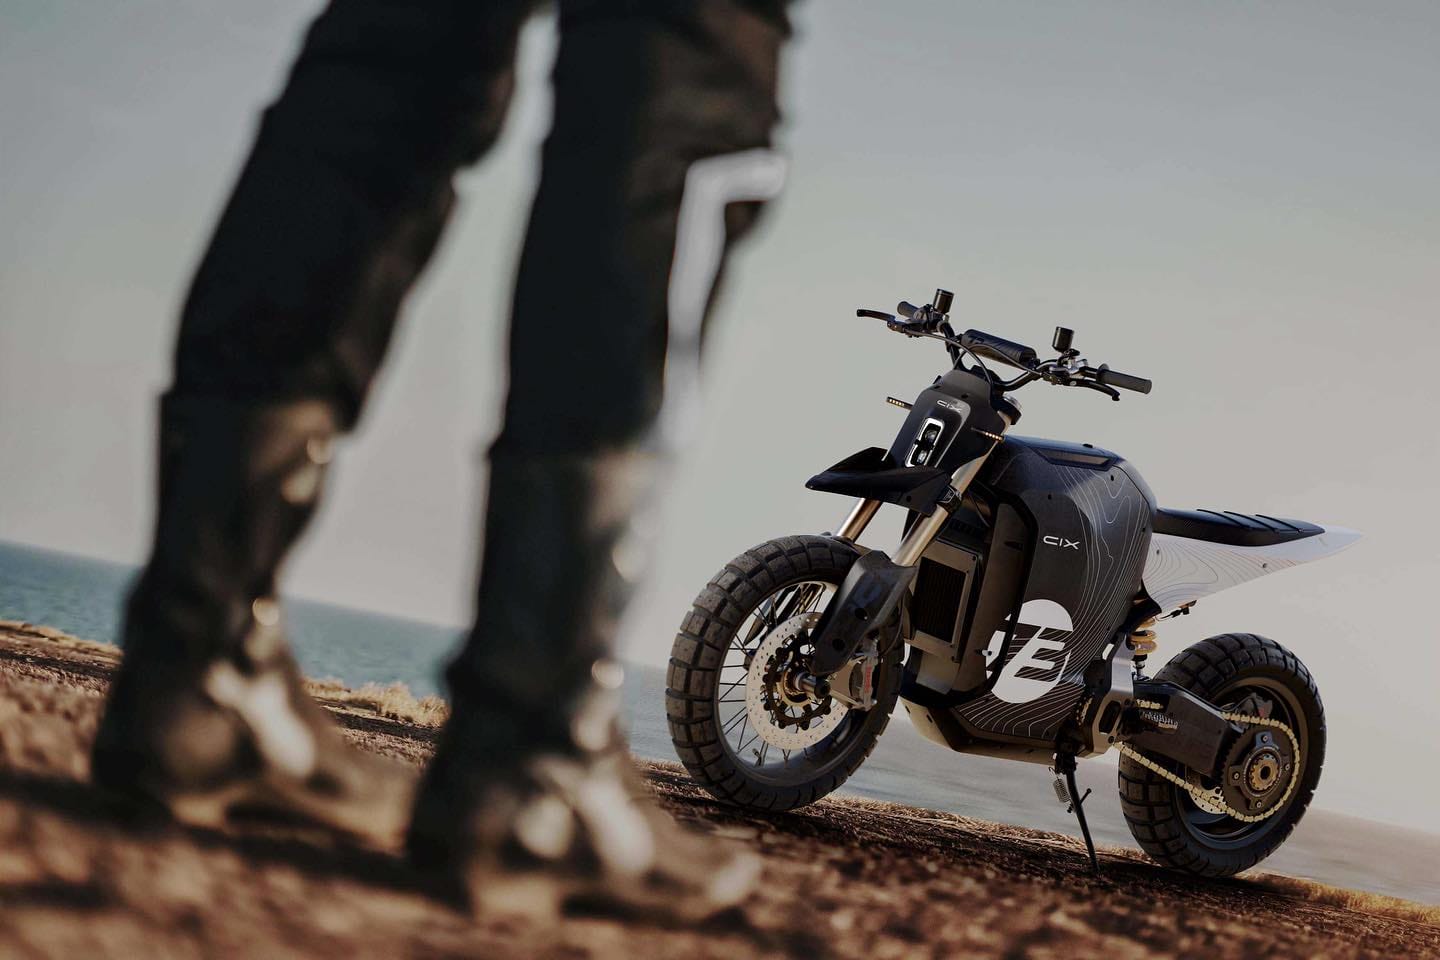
x,y
1219,828
742,731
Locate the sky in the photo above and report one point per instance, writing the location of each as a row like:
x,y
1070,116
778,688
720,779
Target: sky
x,y
1237,200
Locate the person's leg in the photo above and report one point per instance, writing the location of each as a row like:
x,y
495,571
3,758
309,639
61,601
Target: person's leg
x,y
663,112
339,207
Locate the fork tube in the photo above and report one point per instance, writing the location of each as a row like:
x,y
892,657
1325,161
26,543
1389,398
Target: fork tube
x,y
917,541
858,520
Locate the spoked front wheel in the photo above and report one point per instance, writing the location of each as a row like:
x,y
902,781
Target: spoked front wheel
x,y
740,724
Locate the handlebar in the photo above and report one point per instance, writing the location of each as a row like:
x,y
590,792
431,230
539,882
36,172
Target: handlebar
x,y
998,348
1018,355
1065,370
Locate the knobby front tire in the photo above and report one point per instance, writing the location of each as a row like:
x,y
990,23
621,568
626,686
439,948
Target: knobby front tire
x,y
706,679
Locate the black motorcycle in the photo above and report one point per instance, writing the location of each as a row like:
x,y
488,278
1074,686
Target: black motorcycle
x,y
1026,587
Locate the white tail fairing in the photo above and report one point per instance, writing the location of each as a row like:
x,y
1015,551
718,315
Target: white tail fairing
x,y
1180,570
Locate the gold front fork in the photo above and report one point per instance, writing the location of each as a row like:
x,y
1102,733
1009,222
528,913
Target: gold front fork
x,y
858,520
924,530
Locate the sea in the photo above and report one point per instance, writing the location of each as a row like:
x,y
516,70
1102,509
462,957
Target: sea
x,y
83,597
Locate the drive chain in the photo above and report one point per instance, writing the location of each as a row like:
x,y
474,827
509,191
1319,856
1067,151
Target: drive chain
x,y
1215,798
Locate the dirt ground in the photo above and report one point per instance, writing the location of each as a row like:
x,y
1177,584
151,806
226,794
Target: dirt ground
x,y
845,878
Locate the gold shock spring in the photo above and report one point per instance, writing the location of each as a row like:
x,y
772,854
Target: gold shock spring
x,y
1142,639
1143,642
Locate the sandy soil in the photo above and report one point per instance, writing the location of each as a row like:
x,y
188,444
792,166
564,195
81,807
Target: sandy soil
x,y
845,878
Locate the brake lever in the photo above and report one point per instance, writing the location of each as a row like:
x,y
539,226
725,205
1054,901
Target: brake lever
x,y
1110,392
910,328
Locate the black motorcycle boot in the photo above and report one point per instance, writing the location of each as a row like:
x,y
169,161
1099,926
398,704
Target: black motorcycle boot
x,y
531,804
207,718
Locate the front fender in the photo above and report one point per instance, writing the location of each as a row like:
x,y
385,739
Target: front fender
x,y
871,474
872,589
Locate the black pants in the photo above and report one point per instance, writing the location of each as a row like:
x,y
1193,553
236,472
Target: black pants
x,y
349,186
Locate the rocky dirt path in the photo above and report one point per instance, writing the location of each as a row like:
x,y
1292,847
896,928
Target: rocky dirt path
x,y
845,878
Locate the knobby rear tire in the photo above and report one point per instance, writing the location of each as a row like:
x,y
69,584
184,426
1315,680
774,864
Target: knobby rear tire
x,y
1156,809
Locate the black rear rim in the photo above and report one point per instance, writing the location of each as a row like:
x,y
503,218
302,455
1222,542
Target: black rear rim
x,y
1221,831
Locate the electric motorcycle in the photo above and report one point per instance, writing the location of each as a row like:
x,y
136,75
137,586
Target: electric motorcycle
x,y
1026,589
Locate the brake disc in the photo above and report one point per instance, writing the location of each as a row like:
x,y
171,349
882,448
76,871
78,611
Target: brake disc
x,y
784,717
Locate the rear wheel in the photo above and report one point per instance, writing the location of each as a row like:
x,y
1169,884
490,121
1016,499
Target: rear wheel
x,y
1246,675
741,730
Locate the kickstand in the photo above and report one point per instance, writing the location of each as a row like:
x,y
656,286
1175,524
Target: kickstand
x,y
1065,764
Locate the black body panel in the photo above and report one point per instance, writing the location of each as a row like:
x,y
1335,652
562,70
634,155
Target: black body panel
x,y
1006,562
1233,529
951,422
947,426
1070,529
1067,454
955,401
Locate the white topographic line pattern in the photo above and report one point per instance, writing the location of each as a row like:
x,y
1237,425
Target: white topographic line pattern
x,y
1180,570
1115,523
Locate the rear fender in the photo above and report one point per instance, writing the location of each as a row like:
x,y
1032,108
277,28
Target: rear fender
x,y
1180,570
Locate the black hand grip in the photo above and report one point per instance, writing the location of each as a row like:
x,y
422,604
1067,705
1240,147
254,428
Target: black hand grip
x,y
1114,378
907,309
998,348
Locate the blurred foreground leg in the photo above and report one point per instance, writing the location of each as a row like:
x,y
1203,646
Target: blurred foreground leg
x,y
338,209
656,162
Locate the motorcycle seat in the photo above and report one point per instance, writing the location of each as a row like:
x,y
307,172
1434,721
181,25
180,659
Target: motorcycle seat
x,y
1231,528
